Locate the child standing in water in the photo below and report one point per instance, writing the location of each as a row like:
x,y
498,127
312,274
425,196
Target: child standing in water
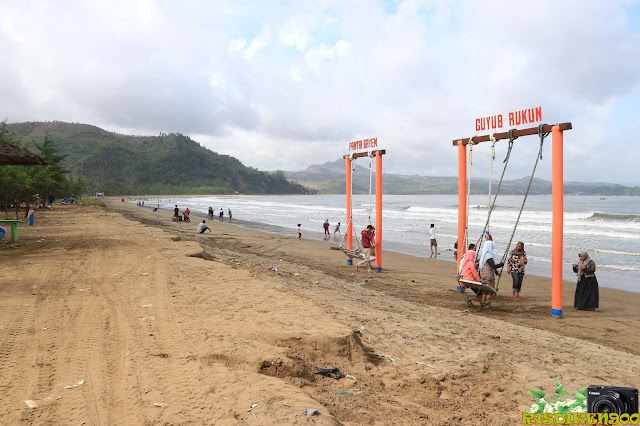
x,y
299,231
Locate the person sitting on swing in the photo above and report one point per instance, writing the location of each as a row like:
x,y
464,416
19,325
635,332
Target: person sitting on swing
x,y
468,266
488,268
368,243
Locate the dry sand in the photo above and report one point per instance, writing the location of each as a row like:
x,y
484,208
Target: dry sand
x,y
143,312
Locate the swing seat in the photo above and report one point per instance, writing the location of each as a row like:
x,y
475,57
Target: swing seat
x,y
353,253
478,286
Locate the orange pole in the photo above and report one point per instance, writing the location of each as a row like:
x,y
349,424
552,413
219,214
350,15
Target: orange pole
x,y
557,193
349,229
462,201
378,211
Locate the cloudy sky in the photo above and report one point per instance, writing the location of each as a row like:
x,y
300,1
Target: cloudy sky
x,y
287,84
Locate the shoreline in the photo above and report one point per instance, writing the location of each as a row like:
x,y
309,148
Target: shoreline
x,y
446,254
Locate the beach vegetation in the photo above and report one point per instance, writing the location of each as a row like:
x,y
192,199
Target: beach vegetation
x,y
26,184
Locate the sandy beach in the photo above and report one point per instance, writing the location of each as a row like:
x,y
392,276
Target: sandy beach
x,y
118,316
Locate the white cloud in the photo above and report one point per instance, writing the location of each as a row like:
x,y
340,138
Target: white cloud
x,y
320,53
297,32
237,45
302,79
260,42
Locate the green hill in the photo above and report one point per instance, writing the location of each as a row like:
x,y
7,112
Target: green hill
x,y
329,178
164,164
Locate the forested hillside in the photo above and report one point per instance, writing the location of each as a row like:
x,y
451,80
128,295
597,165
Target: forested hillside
x,y
164,164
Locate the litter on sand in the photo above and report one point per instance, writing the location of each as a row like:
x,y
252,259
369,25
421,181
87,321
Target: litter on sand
x,y
31,403
84,289
80,383
252,407
334,373
274,269
310,412
345,393
160,405
148,306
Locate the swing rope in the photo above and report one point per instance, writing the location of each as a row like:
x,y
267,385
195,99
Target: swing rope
x,y
370,183
542,136
466,228
492,137
504,169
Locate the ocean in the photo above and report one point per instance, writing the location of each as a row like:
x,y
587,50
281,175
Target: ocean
x,y
607,227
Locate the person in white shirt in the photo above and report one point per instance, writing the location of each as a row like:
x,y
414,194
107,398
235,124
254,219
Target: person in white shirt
x,y
202,227
434,243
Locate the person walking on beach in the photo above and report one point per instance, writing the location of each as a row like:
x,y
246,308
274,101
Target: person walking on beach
x,y
299,231
488,267
221,215
515,267
176,213
337,229
202,227
587,294
434,242
210,213
368,242
230,216
326,227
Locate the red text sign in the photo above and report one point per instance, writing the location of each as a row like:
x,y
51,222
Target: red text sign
x,y
514,118
363,144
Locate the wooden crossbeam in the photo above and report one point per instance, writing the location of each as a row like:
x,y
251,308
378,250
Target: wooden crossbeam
x,y
366,154
516,133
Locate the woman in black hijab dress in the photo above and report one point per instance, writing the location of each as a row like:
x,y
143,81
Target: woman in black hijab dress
x,y
587,295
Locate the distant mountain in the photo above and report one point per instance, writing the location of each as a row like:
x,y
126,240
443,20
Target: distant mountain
x,y
165,164
329,178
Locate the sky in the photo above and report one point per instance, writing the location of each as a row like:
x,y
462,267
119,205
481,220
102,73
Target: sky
x,y
288,84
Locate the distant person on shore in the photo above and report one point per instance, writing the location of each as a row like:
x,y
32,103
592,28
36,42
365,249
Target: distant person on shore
x,y
434,242
488,267
176,213
337,229
325,225
515,267
187,212
299,231
587,293
455,250
210,212
202,227
230,216
221,215
368,243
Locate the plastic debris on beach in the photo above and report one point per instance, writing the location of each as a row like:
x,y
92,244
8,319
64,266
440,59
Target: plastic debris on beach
x,y
31,403
148,306
84,289
252,407
334,373
344,393
160,405
310,412
80,383
274,269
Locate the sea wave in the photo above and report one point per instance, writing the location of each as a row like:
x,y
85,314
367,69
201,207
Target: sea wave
x,y
616,217
620,267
